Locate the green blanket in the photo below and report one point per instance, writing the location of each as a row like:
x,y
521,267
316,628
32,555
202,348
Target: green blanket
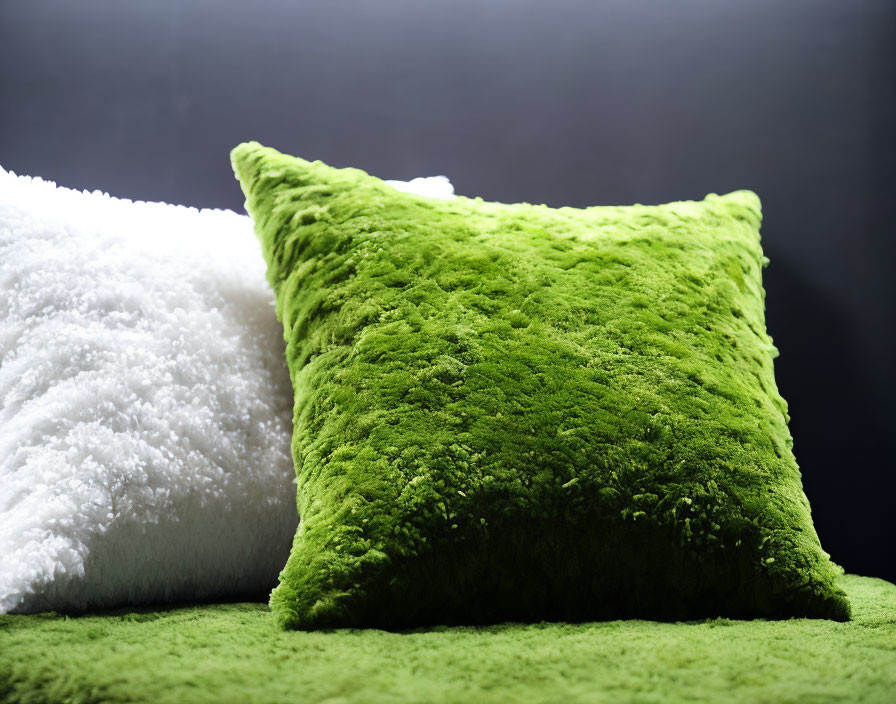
x,y
235,653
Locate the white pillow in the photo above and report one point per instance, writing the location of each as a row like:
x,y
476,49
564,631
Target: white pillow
x,y
145,405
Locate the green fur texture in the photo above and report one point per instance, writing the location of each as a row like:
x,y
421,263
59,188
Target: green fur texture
x,y
515,412
233,653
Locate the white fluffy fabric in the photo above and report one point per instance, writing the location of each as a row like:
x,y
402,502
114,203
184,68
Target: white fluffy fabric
x,y
432,186
145,406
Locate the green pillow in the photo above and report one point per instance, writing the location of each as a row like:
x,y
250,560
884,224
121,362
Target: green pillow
x,y
515,412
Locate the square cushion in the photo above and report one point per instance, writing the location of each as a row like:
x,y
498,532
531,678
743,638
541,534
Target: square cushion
x,y
515,412
145,406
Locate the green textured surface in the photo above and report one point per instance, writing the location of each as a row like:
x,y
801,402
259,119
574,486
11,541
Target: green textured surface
x,y
514,412
235,653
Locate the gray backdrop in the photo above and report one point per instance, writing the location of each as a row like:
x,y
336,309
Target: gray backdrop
x,y
566,103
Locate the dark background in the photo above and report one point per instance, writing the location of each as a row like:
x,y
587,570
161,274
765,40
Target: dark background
x,y
565,103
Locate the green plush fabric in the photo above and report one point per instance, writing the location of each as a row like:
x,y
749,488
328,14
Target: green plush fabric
x,y
514,412
235,653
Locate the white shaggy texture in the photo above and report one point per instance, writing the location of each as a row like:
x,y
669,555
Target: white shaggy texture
x,y
432,186
145,406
